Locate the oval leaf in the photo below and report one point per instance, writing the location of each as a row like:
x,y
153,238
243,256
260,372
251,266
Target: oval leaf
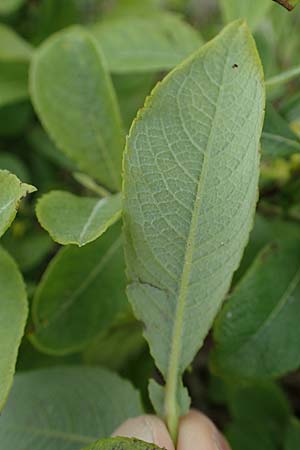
x,y
65,408
11,192
141,44
74,98
13,47
191,175
120,443
70,219
80,294
13,315
252,336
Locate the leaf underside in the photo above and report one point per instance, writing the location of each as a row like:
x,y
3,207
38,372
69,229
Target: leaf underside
x,y
120,443
190,189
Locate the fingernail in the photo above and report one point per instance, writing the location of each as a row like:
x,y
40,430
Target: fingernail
x,y
140,428
220,441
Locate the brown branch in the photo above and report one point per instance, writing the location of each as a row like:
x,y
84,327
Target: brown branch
x,y
285,4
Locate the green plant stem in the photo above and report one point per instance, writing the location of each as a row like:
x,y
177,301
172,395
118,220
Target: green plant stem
x,y
284,77
171,409
90,184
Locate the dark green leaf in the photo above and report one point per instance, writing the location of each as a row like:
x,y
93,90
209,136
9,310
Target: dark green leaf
x,y
122,444
65,408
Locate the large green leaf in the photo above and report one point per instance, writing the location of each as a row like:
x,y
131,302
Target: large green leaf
x,y
120,443
74,98
191,175
253,11
148,43
257,333
13,315
80,294
70,219
278,140
13,47
11,192
65,408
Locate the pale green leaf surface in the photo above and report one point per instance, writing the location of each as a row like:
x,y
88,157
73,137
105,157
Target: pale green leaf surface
x,y
65,408
278,140
253,11
74,98
121,443
257,333
81,292
292,438
9,6
190,189
11,192
13,82
70,219
12,46
13,315
141,44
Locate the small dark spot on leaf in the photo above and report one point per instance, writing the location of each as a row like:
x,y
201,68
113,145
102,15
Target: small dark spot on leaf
x,y
235,66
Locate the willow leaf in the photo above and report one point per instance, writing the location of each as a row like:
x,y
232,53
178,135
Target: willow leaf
x,y
74,98
65,408
11,192
13,315
70,219
142,44
190,189
120,443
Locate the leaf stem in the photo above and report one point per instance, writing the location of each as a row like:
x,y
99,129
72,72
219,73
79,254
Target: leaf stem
x,y
284,77
90,184
171,408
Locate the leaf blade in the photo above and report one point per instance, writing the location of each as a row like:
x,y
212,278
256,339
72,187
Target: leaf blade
x,y
11,192
75,112
81,405
13,316
164,146
70,219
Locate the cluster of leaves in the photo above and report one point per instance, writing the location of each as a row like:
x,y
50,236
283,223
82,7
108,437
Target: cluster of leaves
x,y
73,75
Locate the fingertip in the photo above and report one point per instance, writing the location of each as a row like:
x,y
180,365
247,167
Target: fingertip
x,y
197,432
146,428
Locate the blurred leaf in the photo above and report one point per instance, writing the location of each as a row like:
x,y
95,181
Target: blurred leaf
x,y
189,208
11,192
292,438
65,408
10,6
253,11
28,250
141,44
74,98
278,140
265,231
70,219
13,315
257,333
132,89
13,82
41,143
118,345
81,292
14,118
13,47
120,443
15,165
260,413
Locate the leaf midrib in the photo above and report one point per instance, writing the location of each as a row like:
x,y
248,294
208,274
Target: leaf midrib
x,y
173,369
